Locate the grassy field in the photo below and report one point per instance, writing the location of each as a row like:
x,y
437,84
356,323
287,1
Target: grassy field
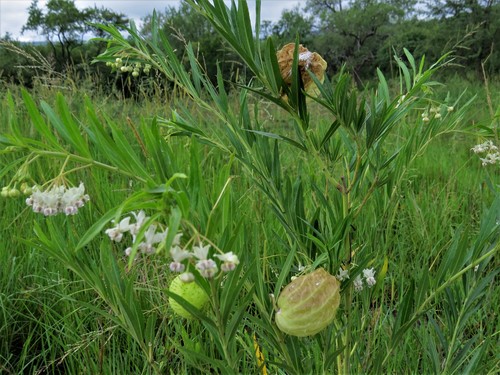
x,y
385,187
53,322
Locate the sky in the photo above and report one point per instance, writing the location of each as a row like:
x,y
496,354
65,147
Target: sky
x,y
14,14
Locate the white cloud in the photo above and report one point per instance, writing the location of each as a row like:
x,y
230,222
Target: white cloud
x,y
14,13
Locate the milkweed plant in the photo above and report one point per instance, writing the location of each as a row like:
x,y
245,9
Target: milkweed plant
x,y
322,305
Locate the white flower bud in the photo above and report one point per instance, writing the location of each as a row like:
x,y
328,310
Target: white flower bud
x,y
186,277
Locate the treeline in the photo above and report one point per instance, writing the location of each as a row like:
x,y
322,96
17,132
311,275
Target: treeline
x,y
360,34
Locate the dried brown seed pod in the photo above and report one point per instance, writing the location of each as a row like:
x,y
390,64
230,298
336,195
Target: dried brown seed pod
x,y
308,60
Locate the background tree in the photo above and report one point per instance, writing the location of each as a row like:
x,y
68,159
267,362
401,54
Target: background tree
x,y
293,23
354,33
474,25
361,34
64,26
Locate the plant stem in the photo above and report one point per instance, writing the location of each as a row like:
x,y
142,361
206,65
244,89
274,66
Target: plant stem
x,y
347,248
89,162
220,326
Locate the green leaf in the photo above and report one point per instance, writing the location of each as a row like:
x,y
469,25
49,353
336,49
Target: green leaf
x,y
42,128
383,88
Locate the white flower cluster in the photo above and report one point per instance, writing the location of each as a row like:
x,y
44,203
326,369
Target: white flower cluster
x,y
369,276
151,236
58,199
206,266
491,151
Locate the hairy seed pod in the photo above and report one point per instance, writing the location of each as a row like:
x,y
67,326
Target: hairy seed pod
x,y
308,62
191,292
308,304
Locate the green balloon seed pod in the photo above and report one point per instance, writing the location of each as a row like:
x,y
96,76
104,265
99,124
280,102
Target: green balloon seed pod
x,y
308,304
191,292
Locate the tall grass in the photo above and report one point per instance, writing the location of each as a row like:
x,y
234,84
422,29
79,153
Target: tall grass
x,y
73,302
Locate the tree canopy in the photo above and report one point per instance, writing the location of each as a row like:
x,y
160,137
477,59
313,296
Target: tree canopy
x,y
358,34
62,22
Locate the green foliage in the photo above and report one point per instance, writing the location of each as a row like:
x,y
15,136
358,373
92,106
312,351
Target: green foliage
x,y
340,181
182,25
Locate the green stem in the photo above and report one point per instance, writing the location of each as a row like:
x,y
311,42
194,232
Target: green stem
x,y
366,197
454,337
220,325
89,162
347,248
358,163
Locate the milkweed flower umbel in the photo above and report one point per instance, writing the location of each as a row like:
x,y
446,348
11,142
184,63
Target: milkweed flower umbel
x,y
490,149
154,235
58,199
308,62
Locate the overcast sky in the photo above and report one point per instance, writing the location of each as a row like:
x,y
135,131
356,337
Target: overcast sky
x,y
13,13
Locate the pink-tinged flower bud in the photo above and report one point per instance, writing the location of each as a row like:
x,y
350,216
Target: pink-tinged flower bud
x,y
186,277
227,267
177,267
308,304
70,210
